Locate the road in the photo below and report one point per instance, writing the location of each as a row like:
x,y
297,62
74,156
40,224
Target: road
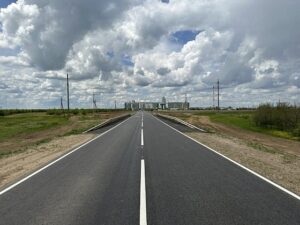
x,y
144,172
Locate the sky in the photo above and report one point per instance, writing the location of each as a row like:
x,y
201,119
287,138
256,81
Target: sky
x,y
147,49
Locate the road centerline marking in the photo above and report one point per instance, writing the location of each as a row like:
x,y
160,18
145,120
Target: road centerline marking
x,y
143,209
142,137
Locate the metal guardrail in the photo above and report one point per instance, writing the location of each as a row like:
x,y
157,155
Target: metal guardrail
x,y
181,122
108,122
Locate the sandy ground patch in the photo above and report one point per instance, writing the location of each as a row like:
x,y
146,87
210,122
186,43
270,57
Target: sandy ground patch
x,y
268,141
15,166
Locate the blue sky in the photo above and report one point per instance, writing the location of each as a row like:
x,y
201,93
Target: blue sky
x,y
184,36
4,3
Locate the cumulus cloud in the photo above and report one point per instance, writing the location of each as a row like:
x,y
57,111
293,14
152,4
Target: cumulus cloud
x,y
248,45
47,30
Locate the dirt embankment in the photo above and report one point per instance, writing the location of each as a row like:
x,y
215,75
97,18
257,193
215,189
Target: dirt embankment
x,y
268,141
275,158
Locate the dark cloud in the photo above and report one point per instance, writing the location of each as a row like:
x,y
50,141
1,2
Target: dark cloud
x,y
163,71
235,72
141,72
142,81
3,86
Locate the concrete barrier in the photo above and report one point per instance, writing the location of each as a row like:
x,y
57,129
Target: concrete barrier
x,y
108,122
177,120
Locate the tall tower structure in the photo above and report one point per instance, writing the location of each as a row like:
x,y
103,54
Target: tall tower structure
x,y
186,104
163,103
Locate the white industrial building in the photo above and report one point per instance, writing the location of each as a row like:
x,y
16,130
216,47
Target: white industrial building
x,y
133,105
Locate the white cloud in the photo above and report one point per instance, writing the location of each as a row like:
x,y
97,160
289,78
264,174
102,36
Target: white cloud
x,y
251,46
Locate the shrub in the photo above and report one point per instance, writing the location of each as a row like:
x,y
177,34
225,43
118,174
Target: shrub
x,y
281,116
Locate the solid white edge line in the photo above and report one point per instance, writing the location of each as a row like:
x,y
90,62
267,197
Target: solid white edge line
x,y
142,137
143,209
60,158
236,163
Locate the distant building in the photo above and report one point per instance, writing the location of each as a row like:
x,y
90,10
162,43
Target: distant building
x,y
178,105
151,105
163,104
133,105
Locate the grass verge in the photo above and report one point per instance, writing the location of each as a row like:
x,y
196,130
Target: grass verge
x,y
240,119
23,130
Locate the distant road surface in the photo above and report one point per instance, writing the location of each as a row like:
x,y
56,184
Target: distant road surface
x,y
144,172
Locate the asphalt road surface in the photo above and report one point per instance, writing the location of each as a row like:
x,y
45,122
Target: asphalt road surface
x,y
144,172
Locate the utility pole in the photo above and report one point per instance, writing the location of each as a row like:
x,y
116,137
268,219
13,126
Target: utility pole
x,y
61,104
94,102
185,102
218,95
68,93
213,97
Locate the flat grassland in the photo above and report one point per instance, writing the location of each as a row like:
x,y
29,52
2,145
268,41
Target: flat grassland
x,y
240,119
20,131
271,152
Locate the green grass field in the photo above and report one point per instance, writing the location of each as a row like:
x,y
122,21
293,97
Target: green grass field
x,y
244,120
27,123
20,130
240,119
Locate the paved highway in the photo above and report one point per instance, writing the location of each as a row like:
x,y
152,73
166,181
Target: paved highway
x,y
144,172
